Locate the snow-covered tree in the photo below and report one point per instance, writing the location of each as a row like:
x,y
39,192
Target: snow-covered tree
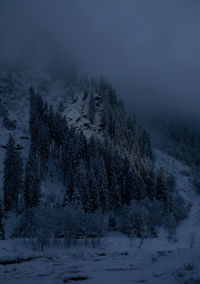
x,y
32,182
2,231
13,176
161,185
43,148
92,110
94,198
114,185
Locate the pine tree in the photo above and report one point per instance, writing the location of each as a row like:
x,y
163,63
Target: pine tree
x,y
138,187
57,132
32,182
12,179
2,232
161,185
33,117
50,125
126,182
146,149
70,186
114,185
65,157
76,198
43,148
102,181
145,170
83,186
92,110
70,152
93,190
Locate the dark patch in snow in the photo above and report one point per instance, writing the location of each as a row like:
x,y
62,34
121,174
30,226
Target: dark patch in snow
x,y
120,269
77,278
24,137
102,254
124,253
17,260
87,125
9,125
161,253
4,146
19,147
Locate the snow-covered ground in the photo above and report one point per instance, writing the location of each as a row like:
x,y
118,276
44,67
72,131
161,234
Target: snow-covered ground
x,y
115,260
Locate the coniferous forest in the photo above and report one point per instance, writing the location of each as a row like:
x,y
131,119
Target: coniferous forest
x,y
110,179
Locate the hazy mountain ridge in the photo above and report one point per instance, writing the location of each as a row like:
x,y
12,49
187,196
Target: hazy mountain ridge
x,y
71,99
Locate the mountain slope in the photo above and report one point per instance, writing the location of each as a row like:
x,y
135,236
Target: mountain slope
x,y
188,228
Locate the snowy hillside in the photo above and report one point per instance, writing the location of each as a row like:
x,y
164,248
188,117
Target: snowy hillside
x,y
189,229
76,113
73,102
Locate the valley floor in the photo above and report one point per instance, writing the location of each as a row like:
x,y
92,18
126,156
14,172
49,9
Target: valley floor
x,y
116,259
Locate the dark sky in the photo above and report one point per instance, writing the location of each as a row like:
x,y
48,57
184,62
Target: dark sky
x,y
149,49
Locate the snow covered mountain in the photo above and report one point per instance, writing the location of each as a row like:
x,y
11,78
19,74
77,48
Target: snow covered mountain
x,y
73,101
142,203
88,105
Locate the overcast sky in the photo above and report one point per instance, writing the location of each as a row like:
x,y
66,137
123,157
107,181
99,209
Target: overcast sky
x,y
149,49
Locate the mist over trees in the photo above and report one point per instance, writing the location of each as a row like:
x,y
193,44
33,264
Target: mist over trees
x,y
179,137
88,165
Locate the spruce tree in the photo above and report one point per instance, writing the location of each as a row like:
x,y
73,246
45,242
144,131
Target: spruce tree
x,y
126,182
161,185
83,186
33,117
32,181
93,190
58,131
12,179
43,147
65,157
2,232
92,110
102,181
114,184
